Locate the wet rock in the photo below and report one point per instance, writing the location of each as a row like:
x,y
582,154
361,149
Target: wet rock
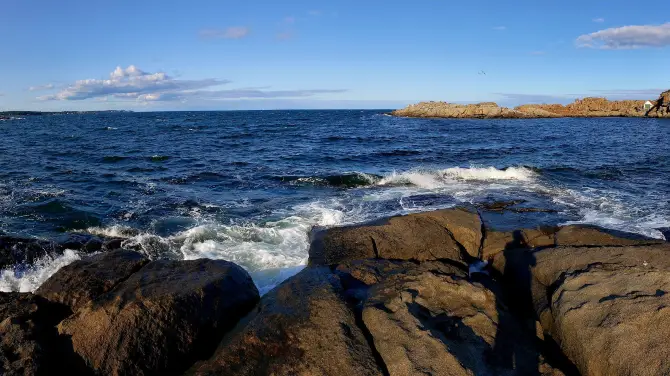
x,y
666,232
14,250
607,307
586,235
303,327
77,284
85,243
29,343
161,319
453,234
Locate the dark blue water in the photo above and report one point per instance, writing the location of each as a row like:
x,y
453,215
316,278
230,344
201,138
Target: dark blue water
x,y
248,186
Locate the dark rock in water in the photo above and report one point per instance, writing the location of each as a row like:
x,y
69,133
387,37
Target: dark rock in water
x,y
75,241
303,327
161,319
84,280
453,234
29,342
607,307
15,251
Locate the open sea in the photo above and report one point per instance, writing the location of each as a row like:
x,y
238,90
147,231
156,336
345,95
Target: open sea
x,y
248,186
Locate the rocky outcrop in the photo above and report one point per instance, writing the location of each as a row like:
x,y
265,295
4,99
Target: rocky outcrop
x,y
162,318
81,282
303,327
453,234
401,296
607,307
29,342
587,107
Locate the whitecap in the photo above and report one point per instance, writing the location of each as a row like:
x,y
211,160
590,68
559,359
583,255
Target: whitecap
x,y
29,279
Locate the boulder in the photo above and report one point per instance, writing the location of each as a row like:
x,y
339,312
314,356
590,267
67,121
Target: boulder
x,y
430,319
586,235
84,280
29,343
453,234
162,319
302,327
606,307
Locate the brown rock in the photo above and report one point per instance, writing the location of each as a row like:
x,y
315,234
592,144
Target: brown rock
x,y
161,319
585,235
539,237
453,234
303,327
84,280
423,322
29,343
605,306
496,242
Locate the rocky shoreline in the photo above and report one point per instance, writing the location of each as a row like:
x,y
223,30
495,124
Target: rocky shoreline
x,y
440,293
587,107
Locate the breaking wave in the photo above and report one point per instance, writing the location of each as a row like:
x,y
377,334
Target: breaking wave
x,y
29,278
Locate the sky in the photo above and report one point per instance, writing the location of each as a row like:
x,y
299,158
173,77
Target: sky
x,y
224,55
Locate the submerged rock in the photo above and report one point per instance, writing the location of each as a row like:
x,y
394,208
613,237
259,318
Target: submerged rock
x,y
77,284
162,318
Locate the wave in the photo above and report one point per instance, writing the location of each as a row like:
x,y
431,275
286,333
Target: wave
x,y
347,180
28,279
432,179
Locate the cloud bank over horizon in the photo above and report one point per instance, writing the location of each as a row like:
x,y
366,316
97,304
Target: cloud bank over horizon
x,y
133,83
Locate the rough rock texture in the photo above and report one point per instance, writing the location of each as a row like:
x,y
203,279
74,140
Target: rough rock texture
x,y
426,323
453,234
303,327
162,318
587,107
583,235
488,110
607,307
29,343
82,281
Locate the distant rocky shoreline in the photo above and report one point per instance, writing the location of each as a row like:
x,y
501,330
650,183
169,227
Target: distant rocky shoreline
x,y
437,293
587,107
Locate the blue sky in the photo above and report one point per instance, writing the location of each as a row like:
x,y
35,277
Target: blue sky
x,y
178,55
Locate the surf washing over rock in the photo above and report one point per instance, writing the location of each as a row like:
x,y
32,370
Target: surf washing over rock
x,y
248,187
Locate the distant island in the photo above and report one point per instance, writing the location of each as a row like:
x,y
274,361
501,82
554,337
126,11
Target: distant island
x,y
587,107
13,114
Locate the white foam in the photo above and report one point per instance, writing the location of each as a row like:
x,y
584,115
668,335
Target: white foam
x,y
28,280
435,179
114,231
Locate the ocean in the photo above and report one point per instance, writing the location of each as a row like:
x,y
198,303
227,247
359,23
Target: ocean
x,y
249,186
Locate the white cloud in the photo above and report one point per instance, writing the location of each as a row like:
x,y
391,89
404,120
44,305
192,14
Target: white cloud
x,y
598,20
627,37
131,82
41,87
500,28
235,32
134,84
